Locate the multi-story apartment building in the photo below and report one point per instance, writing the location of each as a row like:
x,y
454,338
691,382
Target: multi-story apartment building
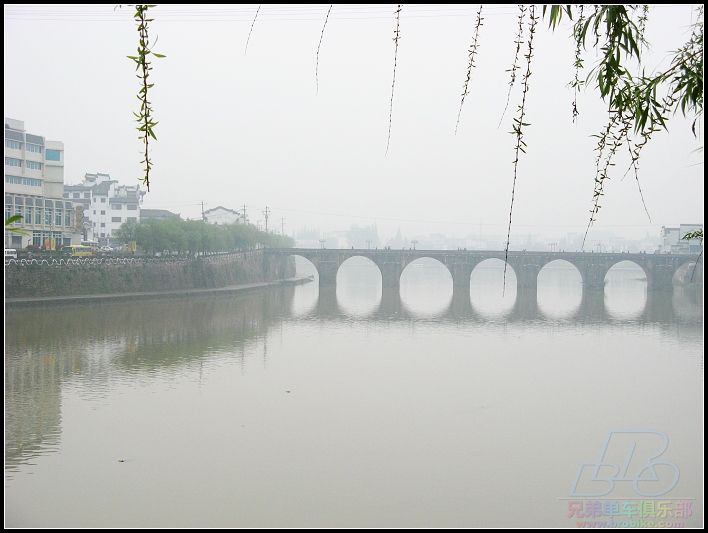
x,y
105,204
34,188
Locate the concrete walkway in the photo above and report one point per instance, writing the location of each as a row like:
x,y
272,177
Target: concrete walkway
x,y
40,300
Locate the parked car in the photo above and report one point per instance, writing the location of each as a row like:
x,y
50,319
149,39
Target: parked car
x,y
10,253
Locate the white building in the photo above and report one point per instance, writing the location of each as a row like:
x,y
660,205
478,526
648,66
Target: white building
x,y
106,205
222,215
672,239
34,187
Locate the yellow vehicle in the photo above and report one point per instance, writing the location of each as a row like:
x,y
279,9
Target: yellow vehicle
x,y
79,250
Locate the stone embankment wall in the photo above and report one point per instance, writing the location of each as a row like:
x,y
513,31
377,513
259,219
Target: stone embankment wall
x,y
76,277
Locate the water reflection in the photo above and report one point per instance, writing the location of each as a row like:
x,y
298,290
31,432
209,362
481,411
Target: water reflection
x,y
560,289
626,289
88,343
359,286
426,287
63,360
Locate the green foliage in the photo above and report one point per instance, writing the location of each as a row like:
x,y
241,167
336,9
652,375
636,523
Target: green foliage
x,y
144,118
514,66
519,125
127,232
698,234
11,228
637,102
191,236
471,53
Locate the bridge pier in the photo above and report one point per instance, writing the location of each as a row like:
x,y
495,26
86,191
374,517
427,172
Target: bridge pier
x,y
526,304
327,271
526,277
593,276
592,304
390,274
327,305
390,302
659,307
660,278
461,304
461,274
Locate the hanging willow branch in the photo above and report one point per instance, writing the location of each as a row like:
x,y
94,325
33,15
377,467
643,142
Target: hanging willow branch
x,y
642,24
251,30
396,37
616,131
472,52
518,128
577,83
634,165
142,64
514,66
317,59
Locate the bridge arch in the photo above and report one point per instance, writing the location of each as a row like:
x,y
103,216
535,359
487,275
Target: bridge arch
x,y
624,269
429,259
626,284
306,295
688,272
305,266
559,289
426,286
359,281
489,297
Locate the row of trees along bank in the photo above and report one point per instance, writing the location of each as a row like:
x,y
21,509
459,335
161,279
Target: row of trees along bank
x,y
192,236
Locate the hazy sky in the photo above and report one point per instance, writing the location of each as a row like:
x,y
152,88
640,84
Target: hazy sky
x,y
239,128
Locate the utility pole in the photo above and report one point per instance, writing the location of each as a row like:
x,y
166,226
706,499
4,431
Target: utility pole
x,y
282,225
265,214
243,214
203,217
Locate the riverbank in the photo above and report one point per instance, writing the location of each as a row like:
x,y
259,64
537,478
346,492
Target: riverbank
x,y
93,276
245,287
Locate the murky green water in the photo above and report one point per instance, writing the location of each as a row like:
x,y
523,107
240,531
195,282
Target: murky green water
x,y
354,407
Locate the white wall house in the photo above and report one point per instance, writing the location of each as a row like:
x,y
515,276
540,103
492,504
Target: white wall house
x,y
34,186
106,205
221,215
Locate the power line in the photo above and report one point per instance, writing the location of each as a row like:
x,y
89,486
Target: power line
x,y
265,214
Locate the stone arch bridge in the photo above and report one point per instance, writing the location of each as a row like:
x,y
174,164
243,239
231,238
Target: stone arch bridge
x,y
659,268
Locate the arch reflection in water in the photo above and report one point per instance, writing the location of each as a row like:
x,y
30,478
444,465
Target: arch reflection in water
x,y
426,287
359,286
306,294
625,290
560,289
487,292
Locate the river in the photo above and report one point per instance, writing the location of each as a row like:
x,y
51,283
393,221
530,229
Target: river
x,y
358,406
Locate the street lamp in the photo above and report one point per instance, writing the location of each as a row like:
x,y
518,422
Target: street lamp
x,y
414,242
